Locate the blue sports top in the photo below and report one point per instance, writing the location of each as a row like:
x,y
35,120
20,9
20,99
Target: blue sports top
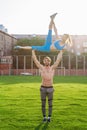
x,y
58,46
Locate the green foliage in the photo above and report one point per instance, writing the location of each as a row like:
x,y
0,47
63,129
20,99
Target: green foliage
x,y
34,41
20,104
31,41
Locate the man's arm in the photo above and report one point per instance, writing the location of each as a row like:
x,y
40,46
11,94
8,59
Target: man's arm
x,y
59,57
36,60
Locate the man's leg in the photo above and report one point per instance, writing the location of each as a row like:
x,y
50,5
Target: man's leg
x,y
43,100
50,98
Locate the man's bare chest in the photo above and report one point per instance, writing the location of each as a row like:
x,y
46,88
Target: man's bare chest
x,y
47,71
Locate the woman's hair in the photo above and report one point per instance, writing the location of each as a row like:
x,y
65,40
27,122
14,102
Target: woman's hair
x,y
68,39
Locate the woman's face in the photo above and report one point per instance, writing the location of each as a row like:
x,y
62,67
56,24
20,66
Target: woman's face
x,y
64,38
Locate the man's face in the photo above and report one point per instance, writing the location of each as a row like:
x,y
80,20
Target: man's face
x,y
46,62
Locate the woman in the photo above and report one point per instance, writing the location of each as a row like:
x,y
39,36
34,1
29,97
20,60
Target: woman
x,y
48,46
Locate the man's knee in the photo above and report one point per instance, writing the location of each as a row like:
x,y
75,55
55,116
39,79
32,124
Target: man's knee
x,y
50,102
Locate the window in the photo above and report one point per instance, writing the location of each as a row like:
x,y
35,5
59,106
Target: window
x,y
72,51
84,44
85,50
5,60
1,37
80,61
78,53
78,46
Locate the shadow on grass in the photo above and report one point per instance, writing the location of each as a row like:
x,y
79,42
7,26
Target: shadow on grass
x,y
37,79
42,126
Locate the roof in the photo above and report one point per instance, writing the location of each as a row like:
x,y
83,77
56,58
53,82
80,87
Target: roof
x,y
8,34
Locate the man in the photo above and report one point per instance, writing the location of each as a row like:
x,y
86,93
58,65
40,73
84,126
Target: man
x,y
47,73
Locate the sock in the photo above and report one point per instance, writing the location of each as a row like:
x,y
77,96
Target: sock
x,y
49,115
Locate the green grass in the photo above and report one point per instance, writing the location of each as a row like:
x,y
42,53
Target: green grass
x,y
20,104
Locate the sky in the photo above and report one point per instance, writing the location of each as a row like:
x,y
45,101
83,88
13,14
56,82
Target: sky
x,y
33,16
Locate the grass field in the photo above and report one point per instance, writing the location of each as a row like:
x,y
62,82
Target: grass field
x,y
20,104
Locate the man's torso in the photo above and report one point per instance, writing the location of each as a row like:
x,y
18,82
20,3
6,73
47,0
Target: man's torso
x,y
47,74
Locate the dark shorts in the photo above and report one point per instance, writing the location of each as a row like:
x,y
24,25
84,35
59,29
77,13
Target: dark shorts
x,y
46,91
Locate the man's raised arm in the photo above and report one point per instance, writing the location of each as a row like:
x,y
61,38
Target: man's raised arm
x,y
36,60
59,57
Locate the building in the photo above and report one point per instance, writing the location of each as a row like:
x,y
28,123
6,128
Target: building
x,y
79,44
6,43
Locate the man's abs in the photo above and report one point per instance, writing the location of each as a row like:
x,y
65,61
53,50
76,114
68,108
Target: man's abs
x,y
47,77
47,82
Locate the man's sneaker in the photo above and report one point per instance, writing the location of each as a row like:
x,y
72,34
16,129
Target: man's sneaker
x,y
53,16
49,119
44,119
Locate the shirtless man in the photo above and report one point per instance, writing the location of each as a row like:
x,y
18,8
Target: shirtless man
x,y
47,74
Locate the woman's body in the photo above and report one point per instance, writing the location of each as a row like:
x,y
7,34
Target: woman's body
x,y
48,45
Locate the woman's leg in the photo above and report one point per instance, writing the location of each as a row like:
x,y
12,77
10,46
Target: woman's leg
x,y
49,36
52,21
23,47
51,24
55,30
57,44
48,41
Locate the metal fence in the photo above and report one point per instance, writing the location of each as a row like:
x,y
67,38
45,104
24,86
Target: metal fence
x,y
69,65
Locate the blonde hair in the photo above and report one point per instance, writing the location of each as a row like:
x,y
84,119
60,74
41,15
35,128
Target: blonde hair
x,y
47,58
68,39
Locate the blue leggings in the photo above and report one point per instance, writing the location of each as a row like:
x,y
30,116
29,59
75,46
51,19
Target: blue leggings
x,y
48,43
